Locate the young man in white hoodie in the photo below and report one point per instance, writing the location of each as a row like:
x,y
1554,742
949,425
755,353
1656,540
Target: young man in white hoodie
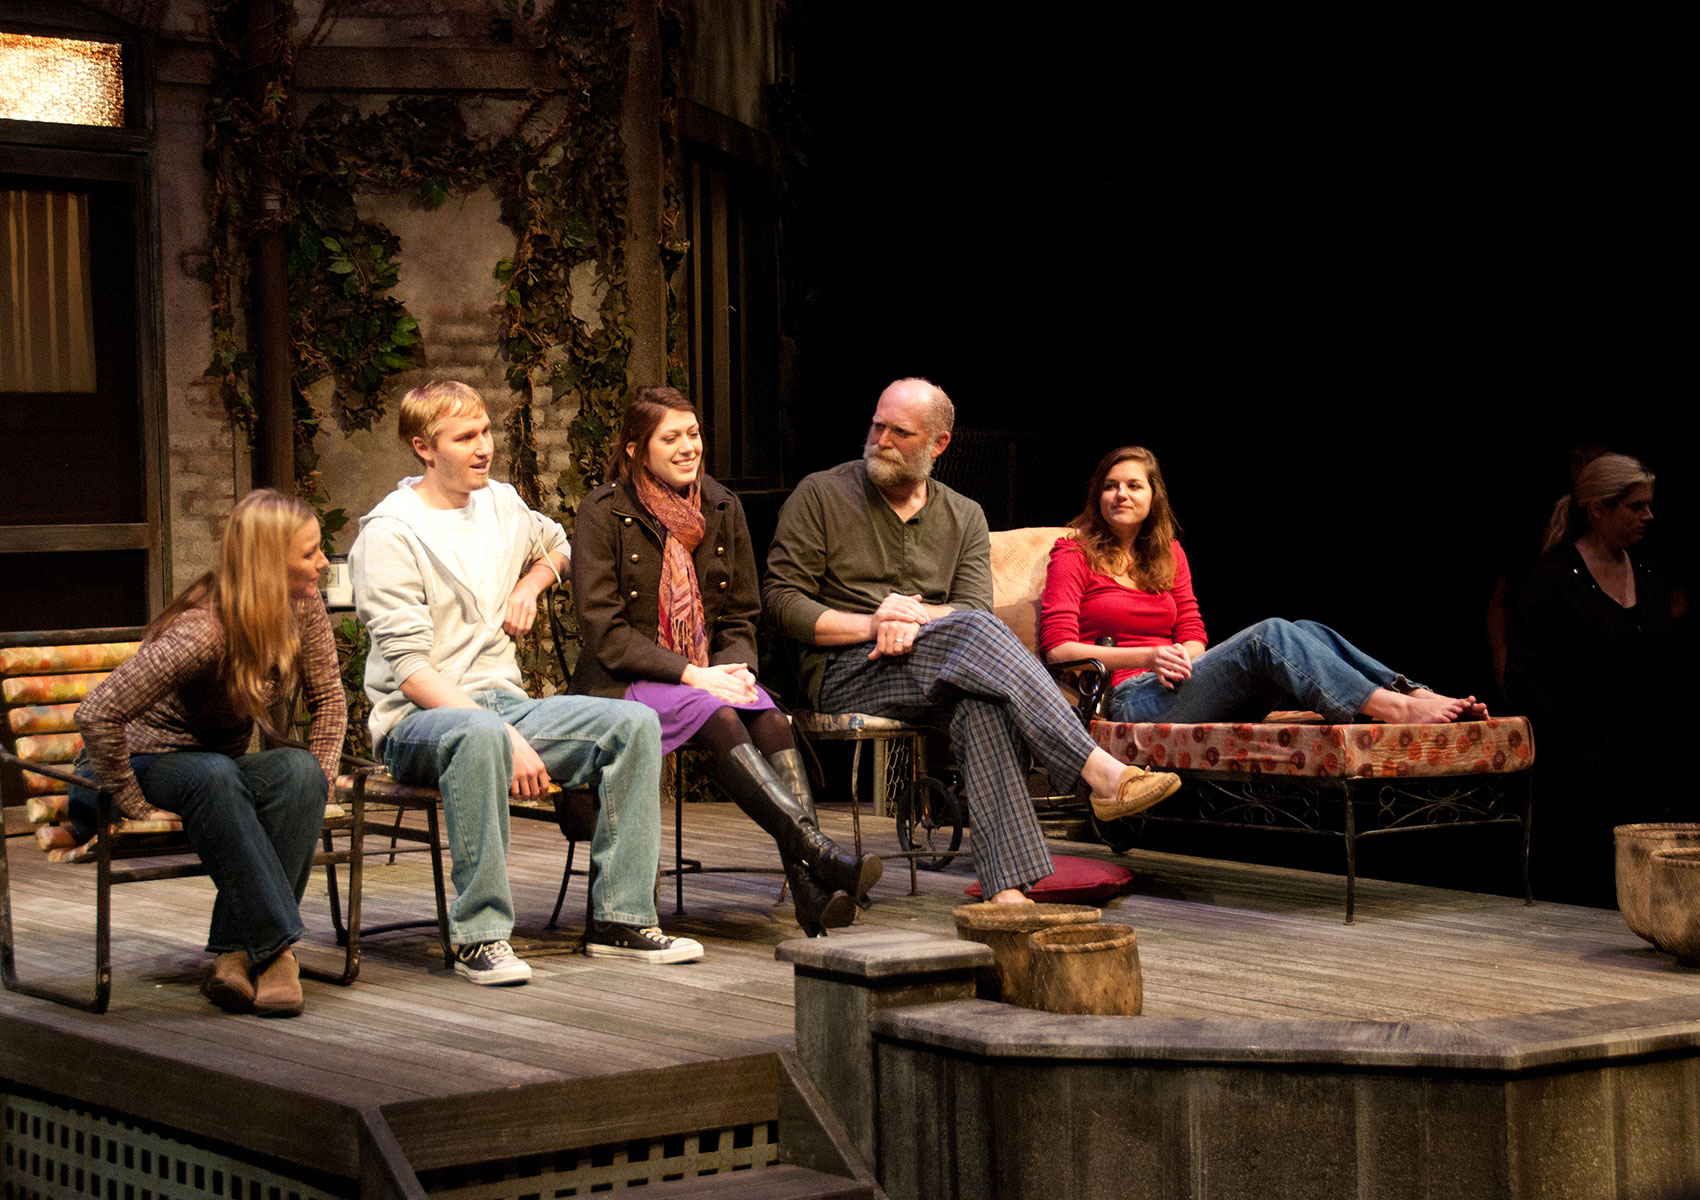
x,y
445,569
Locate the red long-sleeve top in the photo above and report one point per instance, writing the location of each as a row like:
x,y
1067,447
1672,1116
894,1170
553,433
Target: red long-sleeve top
x,y
1081,605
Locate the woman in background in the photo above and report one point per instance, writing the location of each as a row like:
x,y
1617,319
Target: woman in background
x,y
1593,650
169,729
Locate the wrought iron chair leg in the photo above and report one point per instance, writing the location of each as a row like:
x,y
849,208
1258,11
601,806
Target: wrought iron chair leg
x,y
8,961
8,968
678,845
332,893
435,832
348,937
561,896
1351,829
855,794
913,750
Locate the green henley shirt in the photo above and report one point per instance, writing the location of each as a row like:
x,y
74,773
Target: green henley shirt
x,y
840,546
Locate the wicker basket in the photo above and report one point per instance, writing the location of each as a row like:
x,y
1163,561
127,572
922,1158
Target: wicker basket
x,y
1636,845
1087,969
1006,929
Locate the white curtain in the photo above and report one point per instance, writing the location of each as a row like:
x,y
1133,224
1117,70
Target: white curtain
x,y
46,309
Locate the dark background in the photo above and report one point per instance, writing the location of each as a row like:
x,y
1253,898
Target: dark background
x,y
1357,280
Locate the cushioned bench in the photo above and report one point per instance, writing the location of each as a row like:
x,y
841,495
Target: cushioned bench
x,y
1293,772
43,677
1290,771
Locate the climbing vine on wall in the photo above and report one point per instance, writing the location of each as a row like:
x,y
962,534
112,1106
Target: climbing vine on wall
x,y
558,171
674,245
562,185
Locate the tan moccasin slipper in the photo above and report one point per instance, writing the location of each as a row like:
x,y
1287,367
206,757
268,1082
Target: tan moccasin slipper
x,y
1137,791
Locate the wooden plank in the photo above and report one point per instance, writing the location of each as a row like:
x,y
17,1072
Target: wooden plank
x,y
1219,939
262,1102
24,539
778,1182
537,1120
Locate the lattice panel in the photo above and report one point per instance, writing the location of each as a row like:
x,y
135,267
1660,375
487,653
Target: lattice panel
x,y
610,1167
53,1153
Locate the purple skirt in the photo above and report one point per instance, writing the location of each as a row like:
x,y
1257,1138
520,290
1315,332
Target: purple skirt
x,y
683,709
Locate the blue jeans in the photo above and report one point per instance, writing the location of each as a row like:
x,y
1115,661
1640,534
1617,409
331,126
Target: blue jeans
x,y
254,821
465,753
1261,668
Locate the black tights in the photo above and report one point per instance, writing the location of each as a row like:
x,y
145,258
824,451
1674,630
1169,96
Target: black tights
x,y
730,727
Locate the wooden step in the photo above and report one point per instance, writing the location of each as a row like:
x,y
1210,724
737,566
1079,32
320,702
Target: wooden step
x,y
778,1182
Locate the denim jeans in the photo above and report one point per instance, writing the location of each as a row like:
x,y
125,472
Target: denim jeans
x,y
465,753
1261,668
254,821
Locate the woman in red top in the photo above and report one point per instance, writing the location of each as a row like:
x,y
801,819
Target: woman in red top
x,y
1119,590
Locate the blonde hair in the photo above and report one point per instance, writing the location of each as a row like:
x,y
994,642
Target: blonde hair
x,y
249,590
1606,480
1151,564
425,408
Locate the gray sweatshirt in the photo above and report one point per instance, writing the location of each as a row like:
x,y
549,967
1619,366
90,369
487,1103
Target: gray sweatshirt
x,y
421,612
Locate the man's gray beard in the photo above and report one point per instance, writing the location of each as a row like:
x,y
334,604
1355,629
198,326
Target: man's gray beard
x,y
887,474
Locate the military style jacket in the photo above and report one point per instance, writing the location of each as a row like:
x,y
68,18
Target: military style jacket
x,y
617,584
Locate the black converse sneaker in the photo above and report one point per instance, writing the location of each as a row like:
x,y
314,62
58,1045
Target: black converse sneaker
x,y
647,945
490,964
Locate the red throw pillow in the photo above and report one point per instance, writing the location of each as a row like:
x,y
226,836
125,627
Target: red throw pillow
x,y
1076,881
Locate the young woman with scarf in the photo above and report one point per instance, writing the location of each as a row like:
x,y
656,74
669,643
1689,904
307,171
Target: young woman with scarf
x,y
665,584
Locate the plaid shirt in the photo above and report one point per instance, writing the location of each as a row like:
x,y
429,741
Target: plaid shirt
x,y
171,696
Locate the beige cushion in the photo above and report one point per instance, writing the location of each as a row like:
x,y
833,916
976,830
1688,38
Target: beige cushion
x,y
1019,559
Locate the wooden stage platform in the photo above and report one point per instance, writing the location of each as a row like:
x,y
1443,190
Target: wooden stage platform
x,y
596,1054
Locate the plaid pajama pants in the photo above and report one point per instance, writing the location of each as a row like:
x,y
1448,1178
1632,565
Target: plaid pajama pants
x,y
968,672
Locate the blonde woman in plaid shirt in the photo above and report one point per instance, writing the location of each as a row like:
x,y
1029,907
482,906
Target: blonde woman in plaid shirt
x,y
170,729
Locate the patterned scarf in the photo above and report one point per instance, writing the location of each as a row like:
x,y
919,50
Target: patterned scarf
x,y
680,627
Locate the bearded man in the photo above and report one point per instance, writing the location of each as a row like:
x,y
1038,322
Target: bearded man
x,y
884,577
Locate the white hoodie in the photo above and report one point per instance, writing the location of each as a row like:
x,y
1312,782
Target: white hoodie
x,y
422,612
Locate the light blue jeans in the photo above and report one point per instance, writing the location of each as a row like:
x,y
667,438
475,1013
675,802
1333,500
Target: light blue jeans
x,y
1261,668
465,753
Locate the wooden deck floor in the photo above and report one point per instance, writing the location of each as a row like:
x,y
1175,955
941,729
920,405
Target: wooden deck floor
x,y
1216,939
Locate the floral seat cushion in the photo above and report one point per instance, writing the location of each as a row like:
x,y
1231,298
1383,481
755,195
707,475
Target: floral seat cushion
x,y
1288,744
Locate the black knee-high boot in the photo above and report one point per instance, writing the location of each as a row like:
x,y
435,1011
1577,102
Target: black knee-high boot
x,y
750,780
819,908
789,766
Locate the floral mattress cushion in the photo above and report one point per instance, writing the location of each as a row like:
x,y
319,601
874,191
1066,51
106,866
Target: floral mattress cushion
x,y
1293,746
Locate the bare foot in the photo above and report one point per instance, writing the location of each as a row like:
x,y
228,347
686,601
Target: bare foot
x,y
1010,896
1415,708
1474,710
